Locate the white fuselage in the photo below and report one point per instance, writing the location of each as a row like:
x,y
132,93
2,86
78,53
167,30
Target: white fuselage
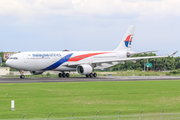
x,y
60,61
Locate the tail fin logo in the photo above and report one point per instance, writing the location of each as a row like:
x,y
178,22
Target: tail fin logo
x,y
128,41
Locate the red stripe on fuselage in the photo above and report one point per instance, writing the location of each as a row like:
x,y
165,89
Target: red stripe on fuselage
x,y
80,57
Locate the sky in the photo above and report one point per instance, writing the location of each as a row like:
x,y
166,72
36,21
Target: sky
x,y
89,25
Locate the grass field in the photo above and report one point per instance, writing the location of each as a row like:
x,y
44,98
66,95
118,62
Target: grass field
x,y
37,100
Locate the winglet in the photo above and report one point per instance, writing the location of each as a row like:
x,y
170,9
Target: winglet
x,y
173,53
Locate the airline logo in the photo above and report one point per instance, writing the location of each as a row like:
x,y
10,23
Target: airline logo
x,y
128,41
45,55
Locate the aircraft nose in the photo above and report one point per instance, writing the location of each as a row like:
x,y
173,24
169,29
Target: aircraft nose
x,y
8,63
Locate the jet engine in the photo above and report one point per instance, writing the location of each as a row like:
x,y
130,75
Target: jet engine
x,y
84,69
36,72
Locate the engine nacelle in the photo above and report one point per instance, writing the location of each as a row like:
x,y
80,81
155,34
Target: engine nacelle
x,y
84,69
36,72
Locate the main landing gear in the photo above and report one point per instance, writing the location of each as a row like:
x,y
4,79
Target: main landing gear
x,y
91,75
63,75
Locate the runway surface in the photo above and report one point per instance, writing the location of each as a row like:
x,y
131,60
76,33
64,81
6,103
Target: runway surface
x,y
83,79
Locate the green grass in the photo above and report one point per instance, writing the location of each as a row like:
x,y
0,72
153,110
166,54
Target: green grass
x,y
37,100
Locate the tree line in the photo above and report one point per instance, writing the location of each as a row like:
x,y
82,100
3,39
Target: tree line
x,y
3,61
158,64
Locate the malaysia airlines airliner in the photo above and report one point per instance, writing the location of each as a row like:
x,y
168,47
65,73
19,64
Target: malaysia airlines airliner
x,y
84,62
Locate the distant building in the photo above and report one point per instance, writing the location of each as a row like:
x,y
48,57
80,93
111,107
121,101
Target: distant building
x,y
4,70
7,55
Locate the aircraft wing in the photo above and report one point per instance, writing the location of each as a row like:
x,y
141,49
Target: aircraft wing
x,y
129,59
134,58
119,60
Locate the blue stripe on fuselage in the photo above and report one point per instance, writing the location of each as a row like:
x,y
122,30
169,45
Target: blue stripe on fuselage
x,y
60,62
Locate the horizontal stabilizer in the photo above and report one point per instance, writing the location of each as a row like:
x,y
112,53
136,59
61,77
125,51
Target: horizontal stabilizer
x,y
173,53
131,54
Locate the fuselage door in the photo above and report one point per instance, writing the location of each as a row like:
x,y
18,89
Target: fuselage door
x,y
56,57
26,60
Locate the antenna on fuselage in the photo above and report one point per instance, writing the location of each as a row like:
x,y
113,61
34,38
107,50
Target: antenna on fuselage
x,y
65,50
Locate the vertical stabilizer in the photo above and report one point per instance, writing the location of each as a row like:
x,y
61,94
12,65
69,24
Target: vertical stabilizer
x,y
127,40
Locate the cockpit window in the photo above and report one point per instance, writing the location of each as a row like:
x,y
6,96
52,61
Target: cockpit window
x,y
15,58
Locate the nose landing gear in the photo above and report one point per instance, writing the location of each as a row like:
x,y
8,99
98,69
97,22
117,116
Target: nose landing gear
x,y
21,76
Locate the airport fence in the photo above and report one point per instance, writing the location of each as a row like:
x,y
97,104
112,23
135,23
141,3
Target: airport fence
x,y
160,116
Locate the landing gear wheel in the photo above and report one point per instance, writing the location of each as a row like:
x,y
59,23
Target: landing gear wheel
x,y
22,76
63,75
90,75
67,75
87,76
60,75
95,75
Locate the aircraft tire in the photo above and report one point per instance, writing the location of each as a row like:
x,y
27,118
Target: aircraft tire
x,y
95,75
90,75
22,76
60,75
67,75
87,76
63,75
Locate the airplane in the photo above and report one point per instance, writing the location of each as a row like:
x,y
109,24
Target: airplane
x,y
84,62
